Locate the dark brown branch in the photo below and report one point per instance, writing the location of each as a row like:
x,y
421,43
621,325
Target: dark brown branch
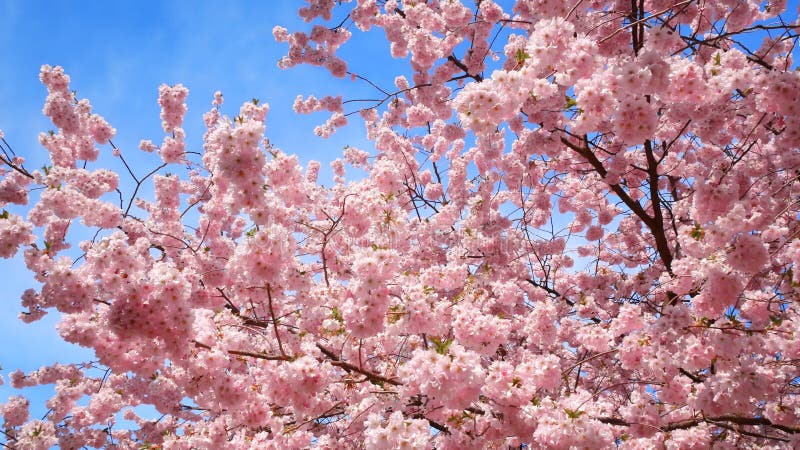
x,y
201,345
689,423
125,163
549,290
274,320
691,376
246,353
139,184
373,377
237,312
200,198
634,206
657,225
748,433
433,423
645,19
260,355
21,170
756,421
463,67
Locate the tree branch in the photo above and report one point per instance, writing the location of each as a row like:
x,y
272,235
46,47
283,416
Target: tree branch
x,y
689,423
657,224
373,377
260,355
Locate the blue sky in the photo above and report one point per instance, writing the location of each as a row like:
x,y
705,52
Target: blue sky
x,y
117,54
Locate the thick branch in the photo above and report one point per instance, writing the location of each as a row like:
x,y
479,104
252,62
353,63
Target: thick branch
x,y
689,423
634,206
549,290
260,355
373,377
657,225
246,353
463,67
434,424
694,378
237,312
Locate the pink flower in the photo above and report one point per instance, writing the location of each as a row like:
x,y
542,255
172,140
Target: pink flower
x,y
721,291
37,435
749,254
635,120
15,411
14,232
173,107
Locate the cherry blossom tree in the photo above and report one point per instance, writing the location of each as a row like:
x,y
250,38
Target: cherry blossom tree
x,y
578,229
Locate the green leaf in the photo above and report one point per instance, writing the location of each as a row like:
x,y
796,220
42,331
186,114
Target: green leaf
x,y
573,414
570,102
697,232
521,56
455,418
4,215
441,345
396,313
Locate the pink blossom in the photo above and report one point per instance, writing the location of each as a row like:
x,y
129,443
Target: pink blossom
x,y
14,232
37,435
722,290
572,227
147,146
173,107
15,411
634,120
749,254
173,148
100,130
397,433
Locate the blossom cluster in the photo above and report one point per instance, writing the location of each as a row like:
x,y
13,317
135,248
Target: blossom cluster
x,y
577,228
